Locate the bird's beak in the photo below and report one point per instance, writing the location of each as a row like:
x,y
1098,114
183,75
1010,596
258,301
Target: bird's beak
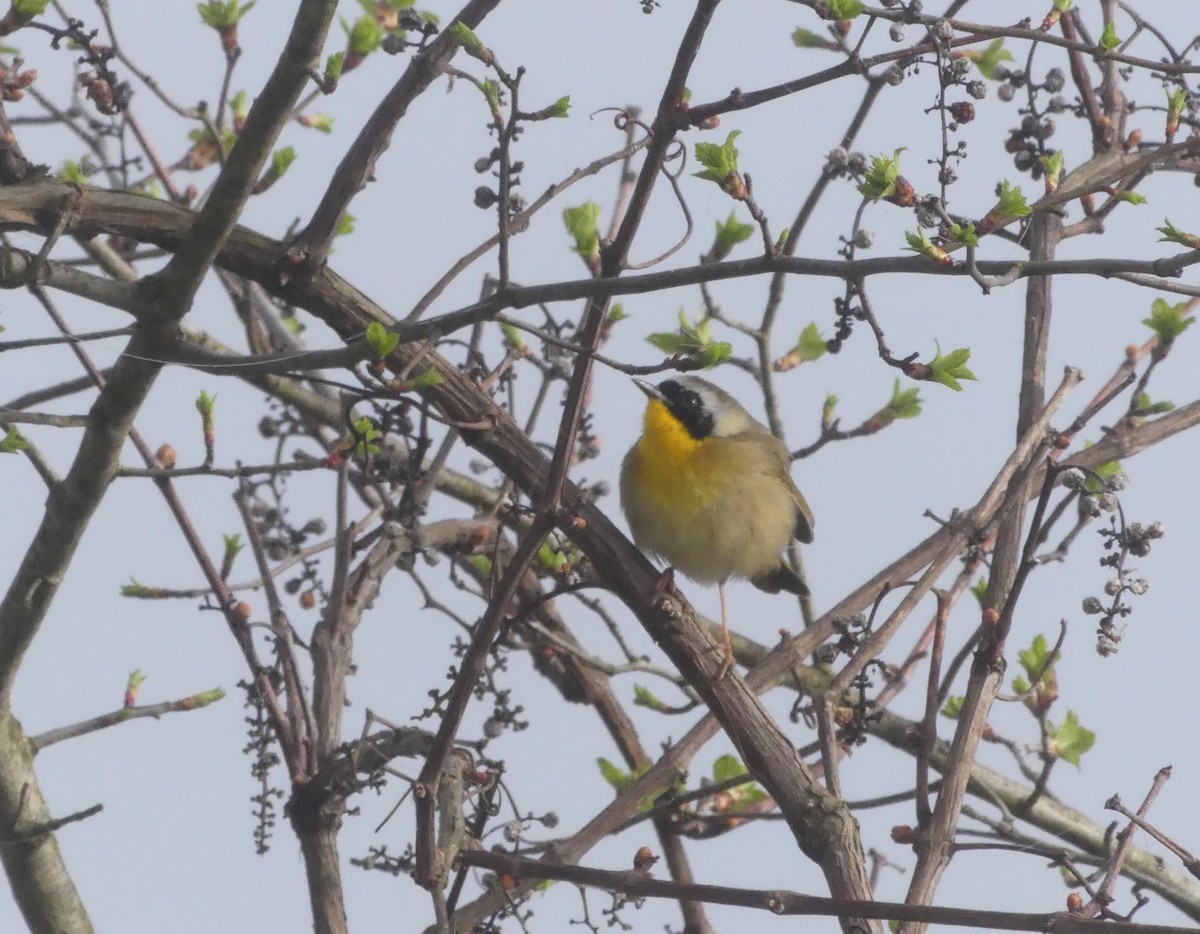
x,y
649,389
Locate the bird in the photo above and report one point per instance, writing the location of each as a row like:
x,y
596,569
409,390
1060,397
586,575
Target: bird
x,y
708,489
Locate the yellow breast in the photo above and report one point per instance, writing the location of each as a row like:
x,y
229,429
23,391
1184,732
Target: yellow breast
x,y
714,508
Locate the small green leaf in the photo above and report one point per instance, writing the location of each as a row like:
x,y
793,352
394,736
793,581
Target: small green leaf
x,y
281,160
905,403
811,345
28,9
727,767
581,224
1173,234
948,370
693,340
979,589
880,180
13,442
1168,321
365,36
382,341
919,243
617,313
1109,39
643,697
71,172
952,707
987,59
462,35
1011,202
1070,741
334,65
844,9
804,39
730,232
1103,472
322,123
560,107
617,777
1132,197
1036,658
721,164
365,433
964,234
217,14
427,379
345,225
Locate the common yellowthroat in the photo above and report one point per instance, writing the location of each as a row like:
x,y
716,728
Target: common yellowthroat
x,y
708,488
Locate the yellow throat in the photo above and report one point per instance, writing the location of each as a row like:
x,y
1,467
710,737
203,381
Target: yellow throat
x,y
669,458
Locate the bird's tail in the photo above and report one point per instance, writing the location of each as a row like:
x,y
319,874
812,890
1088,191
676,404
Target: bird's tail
x,y
783,577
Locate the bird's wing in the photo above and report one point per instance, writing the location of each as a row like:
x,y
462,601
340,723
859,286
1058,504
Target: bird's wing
x,y
804,516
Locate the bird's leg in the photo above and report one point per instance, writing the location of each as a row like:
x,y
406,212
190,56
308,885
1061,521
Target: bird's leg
x,y
727,664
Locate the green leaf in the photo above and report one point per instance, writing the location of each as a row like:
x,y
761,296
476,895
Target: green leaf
x,y
1168,321
1070,741
614,775
919,243
811,345
1103,472
952,707
987,59
382,341
281,159
694,341
560,107
334,65
805,39
905,403
948,370
205,404
1144,406
322,123
1011,202
366,433
427,379
581,224
1131,197
844,9
1020,685
71,172
880,180
28,9
1109,39
462,35
1053,164
1035,659
1173,234
617,313
964,234
365,36
134,589
979,589
727,767
217,14
720,162
730,233
13,442
643,697
345,225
